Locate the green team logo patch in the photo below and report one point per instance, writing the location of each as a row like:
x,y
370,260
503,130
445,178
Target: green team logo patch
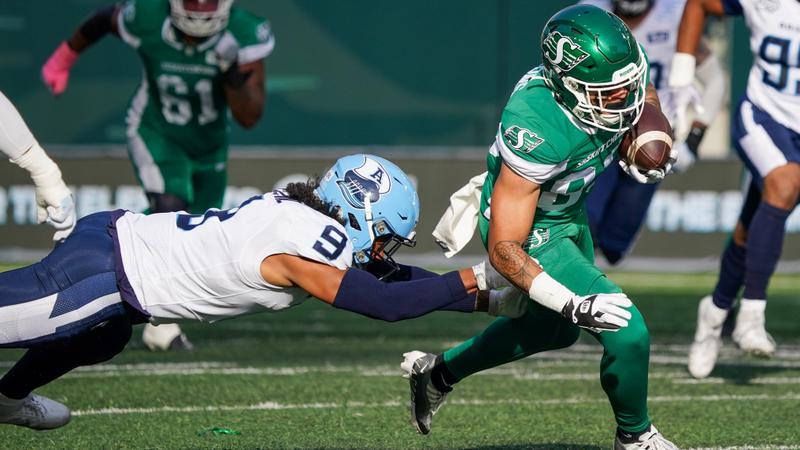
x,y
562,52
522,139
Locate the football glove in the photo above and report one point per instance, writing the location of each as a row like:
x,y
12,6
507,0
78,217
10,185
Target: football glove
x,y
55,72
61,217
488,277
227,52
54,202
508,302
598,312
651,176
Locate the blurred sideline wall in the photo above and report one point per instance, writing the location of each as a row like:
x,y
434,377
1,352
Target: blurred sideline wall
x,y
421,82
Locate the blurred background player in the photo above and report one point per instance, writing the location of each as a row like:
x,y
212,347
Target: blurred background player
x,y
273,252
200,58
54,202
561,127
766,134
618,204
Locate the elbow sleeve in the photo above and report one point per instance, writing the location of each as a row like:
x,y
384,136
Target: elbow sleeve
x,y
715,87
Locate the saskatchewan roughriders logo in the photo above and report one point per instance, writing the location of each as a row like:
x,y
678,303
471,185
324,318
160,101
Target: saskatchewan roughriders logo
x,y
562,52
522,138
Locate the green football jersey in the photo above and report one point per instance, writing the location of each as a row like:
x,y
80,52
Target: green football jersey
x,y
181,96
544,143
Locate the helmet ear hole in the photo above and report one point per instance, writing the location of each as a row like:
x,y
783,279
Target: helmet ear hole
x,y
353,221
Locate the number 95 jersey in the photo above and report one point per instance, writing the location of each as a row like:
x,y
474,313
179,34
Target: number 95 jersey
x,y
181,96
774,81
208,267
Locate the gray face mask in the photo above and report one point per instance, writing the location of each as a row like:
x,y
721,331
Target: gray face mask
x,y
631,8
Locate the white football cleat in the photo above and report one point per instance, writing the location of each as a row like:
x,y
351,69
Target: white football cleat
x,y
164,337
34,411
649,440
750,334
426,399
707,338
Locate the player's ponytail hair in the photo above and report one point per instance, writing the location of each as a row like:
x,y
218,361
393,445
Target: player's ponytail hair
x,y
305,194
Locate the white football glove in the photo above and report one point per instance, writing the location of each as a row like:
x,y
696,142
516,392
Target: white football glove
x,y
227,52
652,175
508,302
685,158
62,218
599,312
676,104
488,277
54,202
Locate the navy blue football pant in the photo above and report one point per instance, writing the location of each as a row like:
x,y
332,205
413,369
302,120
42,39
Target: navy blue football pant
x,y
617,207
66,309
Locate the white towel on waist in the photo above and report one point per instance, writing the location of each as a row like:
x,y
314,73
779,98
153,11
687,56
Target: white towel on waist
x,y
457,225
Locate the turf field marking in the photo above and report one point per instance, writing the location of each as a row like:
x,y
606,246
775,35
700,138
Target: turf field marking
x,y
270,406
755,380
752,447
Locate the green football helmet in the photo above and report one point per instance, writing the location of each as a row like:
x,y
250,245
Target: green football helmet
x,y
595,67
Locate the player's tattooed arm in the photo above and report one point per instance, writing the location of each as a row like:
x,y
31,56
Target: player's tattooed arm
x,y
246,93
511,260
513,206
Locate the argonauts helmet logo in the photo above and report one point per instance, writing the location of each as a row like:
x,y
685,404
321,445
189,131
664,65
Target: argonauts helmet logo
x,y
370,180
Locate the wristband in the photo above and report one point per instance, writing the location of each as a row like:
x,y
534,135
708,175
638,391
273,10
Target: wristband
x,y
43,170
681,73
694,138
480,275
549,292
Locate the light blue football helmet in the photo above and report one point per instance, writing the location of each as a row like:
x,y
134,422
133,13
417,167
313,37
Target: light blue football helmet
x,y
378,204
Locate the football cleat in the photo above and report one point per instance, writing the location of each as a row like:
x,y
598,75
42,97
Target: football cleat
x,y
649,440
34,411
426,399
750,334
165,337
707,338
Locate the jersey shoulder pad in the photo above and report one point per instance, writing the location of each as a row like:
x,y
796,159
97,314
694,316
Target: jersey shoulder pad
x,y
533,146
253,33
310,234
139,19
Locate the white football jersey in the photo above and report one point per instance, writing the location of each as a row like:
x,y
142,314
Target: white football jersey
x,y
208,267
658,34
774,81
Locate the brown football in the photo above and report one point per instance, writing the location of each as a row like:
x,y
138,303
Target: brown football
x,y
648,143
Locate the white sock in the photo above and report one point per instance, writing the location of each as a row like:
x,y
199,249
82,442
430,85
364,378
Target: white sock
x,y
753,305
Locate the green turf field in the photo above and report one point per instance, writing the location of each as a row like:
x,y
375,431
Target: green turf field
x,y
315,377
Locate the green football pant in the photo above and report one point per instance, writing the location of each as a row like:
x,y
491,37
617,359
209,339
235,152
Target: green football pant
x,y
567,255
162,166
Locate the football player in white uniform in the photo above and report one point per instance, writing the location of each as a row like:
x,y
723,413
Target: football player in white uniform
x,y
274,251
54,202
617,205
766,134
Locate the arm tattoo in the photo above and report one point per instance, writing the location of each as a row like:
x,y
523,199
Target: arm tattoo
x,y
514,263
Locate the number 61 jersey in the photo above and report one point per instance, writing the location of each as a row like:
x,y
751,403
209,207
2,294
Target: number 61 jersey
x,y
774,81
208,267
181,96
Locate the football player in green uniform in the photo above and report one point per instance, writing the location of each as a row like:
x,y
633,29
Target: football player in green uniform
x,y
200,58
559,130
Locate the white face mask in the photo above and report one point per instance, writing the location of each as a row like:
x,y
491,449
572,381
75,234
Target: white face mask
x,y
200,18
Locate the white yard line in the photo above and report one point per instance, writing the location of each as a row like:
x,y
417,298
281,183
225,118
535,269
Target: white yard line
x,y
269,405
752,447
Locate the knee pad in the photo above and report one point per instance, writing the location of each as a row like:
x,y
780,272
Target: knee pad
x,y
166,203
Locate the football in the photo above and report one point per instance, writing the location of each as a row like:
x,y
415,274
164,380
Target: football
x,y
647,144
